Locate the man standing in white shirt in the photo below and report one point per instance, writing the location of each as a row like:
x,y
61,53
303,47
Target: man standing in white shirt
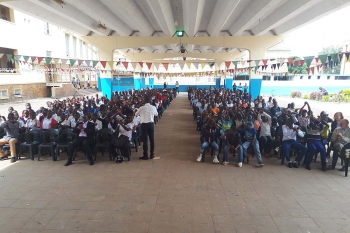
x,y
147,114
290,132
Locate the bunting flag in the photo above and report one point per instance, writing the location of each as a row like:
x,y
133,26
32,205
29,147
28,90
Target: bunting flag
x,y
8,57
274,66
33,59
64,61
111,63
348,59
141,64
56,60
133,64
203,64
281,61
94,63
71,61
40,59
256,68
196,64
156,65
188,65
125,64
296,63
88,62
166,65
211,64
243,63
346,55
227,64
278,65
103,63
335,57
48,60
265,61
149,65
290,61
235,63
80,62
182,64
308,60
323,59
18,57
26,58
257,63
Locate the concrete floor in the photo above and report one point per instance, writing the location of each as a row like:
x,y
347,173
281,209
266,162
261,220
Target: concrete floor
x,y
173,194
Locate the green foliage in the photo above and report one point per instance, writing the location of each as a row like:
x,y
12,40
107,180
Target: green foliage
x,y
346,92
326,98
328,51
306,96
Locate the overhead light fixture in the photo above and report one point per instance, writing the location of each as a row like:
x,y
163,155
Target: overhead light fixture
x,y
180,33
102,26
59,2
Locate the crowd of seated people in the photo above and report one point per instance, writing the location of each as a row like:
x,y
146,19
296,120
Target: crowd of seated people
x,y
85,116
232,122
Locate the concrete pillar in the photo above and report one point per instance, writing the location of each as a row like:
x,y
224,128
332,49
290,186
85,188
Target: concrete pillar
x,y
255,79
229,81
105,79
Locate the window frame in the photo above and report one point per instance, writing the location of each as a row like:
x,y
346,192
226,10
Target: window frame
x,y
4,97
17,95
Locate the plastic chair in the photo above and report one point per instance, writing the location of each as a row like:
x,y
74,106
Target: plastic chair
x,y
103,141
49,140
66,138
32,141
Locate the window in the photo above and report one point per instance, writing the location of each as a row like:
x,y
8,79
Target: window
x,y
46,28
3,94
7,62
18,91
74,46
67,45
48,54
81,48
5,13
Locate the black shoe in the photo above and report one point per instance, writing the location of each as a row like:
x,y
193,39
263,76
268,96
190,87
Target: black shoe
x,y
295,165
152,157
324,169
13,159
69,162
342,169
308,167
91,162
290,165
143,158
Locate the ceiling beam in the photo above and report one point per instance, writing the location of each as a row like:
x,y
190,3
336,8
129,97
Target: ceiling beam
x,y
317,12
100,12
222,11
286,12
251,14
73,14
40,13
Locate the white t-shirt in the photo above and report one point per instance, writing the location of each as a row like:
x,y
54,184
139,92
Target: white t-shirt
x,y
124,132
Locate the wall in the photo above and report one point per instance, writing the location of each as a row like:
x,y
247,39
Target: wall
x,y
63,91
29,91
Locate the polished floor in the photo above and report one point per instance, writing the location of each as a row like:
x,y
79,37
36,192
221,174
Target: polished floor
x,y
173,194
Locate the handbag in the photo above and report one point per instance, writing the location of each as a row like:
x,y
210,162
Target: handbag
x,y
121,141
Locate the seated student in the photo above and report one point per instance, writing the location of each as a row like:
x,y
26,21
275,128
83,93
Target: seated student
x,y
209,138
48,122
11,127
314,143
290,132
265,139
96,122
340,137
122,143
250,135
304,115
233,141
63,122
32,122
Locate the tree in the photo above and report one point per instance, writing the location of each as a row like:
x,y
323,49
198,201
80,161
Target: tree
x,y
299,69
328,51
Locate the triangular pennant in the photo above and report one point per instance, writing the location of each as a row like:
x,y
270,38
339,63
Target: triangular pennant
x,y
80,62
72,62
166,65
182,64
40,59
88,62
335,57
281,61
347,55
274,66
308,60
278,65
235,63
56,60
125,64
290,61
64,61
94,63
257,63
156,65
26,58
141,64
301,62
203,64
18,57
196,64
296,63
227,64
188,65
211,64
256,68
133,64
149,65
323,59
111,63
9,57
48,60
33,59
265,61
243,63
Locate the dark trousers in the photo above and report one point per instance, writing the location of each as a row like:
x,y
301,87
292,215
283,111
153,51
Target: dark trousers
x,y
80,141
315,147
147,130
301,150
266,143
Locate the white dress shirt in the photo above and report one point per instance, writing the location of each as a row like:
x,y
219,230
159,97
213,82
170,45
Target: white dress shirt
x,y
46,123
124,132
72,121
147,113
290,134
98,125
265,127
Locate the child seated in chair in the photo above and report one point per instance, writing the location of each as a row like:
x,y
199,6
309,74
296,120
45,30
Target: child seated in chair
x,y
250,135
209,138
